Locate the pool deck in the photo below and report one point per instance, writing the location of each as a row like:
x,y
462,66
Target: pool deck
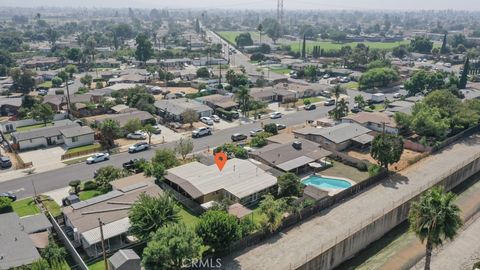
x,y
331,191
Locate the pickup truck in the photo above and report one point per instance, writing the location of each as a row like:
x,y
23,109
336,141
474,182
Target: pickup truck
x,y
132,166
200,132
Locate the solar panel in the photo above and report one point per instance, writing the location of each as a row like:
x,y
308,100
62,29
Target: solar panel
x,y
98,199
133,187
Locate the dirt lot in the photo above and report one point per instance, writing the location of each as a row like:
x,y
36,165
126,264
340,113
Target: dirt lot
x,y
408,155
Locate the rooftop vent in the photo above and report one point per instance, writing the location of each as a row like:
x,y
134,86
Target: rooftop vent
x,y
297,145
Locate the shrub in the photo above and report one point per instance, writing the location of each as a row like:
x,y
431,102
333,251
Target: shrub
x,y
271,128
89,185
59,92
374,169
5,205
362,167
307,102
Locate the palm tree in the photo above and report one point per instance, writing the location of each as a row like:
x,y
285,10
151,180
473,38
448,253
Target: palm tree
x,y
337,91
243,97
435,218
260,29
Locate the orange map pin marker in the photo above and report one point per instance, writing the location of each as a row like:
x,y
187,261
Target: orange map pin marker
x,y
220,160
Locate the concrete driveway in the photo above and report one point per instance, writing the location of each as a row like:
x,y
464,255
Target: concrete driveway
x,y
44,159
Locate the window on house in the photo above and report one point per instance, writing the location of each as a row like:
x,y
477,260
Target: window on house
x,y
59,137
74,139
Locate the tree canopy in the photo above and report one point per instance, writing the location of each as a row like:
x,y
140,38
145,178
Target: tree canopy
x,y
387,149
218,229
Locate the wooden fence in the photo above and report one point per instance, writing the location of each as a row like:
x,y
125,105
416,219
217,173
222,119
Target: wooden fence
x,y
81,153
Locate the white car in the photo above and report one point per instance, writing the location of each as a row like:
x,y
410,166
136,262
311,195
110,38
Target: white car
x,y
275,115
200,132
137,135
98,157
141,146
215,118
254,132
206,120
397,95
70,82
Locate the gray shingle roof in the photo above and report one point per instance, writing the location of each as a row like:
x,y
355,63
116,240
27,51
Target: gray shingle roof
x,y
122,256
16,247
123,118
74,130
35,223
68,128
178,106
337,134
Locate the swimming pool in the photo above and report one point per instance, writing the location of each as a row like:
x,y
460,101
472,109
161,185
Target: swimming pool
x,y
327,183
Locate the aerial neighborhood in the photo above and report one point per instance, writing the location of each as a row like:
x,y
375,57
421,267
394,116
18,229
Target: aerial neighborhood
x,y
155,138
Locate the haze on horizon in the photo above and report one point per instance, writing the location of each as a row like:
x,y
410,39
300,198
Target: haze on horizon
x,y
256,4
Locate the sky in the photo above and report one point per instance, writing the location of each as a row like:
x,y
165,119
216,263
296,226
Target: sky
x,y
257,4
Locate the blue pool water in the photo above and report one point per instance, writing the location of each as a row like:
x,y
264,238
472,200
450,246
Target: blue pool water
x,y
325,182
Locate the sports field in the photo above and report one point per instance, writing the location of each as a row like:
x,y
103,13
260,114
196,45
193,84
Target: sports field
x,y
326,45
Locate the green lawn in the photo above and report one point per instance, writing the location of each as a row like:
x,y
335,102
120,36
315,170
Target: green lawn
x,y
52,207
27,128
378,107
75,160
281,70
351,85
189,219
85,195
341,170
328,45
231,35
95,146
25,207
100,265
46,84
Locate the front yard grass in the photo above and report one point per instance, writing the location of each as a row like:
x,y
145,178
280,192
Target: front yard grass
x,y
28,128
46,84
75,160
351,85
189,219
341,170
100,265
25,207
88,194
94,146
280,70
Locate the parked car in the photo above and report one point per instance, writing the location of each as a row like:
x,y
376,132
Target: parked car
x,y
137,135
5,162
355,110
275,115
254,132
215,118
9,195
180,94
157,130
238,137
397,95
281,126
325,93
141,146
200,132
326,76
98,157
42,92
132,165
329,102
310,107
70,82
206,120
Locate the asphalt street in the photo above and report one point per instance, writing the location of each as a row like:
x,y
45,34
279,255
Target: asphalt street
x,y
55,179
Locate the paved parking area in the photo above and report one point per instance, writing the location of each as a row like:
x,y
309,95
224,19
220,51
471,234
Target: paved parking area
x,y
44,159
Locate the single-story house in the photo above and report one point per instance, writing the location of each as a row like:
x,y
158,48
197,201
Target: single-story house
x,y
294,156
107,63
19,239
374,121
121,108
240,181
10,106
178,62
338,137
209,61
112,209
172,109
72,135
219,101
129,78
40,62
123,118
400,106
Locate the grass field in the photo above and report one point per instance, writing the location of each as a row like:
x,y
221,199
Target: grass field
x,y
187,218
25,207
280,70
85,195
46,84
100,265
326,45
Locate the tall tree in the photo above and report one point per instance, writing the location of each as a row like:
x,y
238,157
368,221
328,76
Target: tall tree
x,y
304,48
23,79
109,130
260,30
144,49
107,174
184,147
150,213
149,129
42,112
434,218
272,210
170,246
464,78
218,229
289,185
244,98
189,116
387,149
443,49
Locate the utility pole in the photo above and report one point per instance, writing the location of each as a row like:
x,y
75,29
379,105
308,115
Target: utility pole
x,y
103,244
280,11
